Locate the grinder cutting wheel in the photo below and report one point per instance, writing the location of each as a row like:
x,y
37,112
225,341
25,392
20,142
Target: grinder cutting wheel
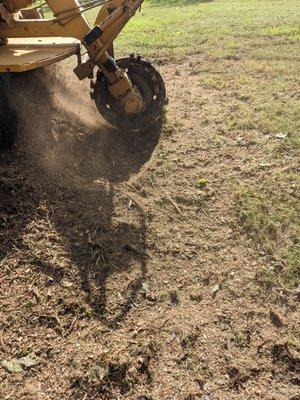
x,y
129,93
149,85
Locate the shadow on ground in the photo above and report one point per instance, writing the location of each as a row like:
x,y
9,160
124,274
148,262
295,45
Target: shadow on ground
x,y
70,175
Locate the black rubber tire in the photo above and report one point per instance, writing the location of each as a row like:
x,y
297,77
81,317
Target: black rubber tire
x,y
8,115
152,88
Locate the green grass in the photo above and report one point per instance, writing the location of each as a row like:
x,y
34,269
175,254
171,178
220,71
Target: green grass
x,y
270,213
216,28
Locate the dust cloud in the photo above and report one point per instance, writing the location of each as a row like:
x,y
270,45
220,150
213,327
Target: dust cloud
x,y
61,129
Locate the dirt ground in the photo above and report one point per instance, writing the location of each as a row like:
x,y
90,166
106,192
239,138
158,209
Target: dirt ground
x,y
122,278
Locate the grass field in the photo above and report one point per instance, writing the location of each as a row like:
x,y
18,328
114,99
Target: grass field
x,y
162,266
263,37
220,29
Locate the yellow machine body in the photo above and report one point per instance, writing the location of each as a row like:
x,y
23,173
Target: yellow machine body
x,y
21,55
33,43
25,53
128,92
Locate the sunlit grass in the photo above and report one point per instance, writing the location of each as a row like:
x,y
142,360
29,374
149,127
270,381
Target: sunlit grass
x,y
165,28
270,213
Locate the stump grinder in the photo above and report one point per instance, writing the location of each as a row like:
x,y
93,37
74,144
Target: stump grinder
x,y
129,93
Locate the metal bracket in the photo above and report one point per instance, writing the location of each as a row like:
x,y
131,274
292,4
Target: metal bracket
x,y
85,70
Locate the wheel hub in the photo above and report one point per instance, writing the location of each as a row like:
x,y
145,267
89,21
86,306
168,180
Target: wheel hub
x,y
143,107
132,102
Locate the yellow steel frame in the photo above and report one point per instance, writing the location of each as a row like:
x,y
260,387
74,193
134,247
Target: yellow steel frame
x,y
69,21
